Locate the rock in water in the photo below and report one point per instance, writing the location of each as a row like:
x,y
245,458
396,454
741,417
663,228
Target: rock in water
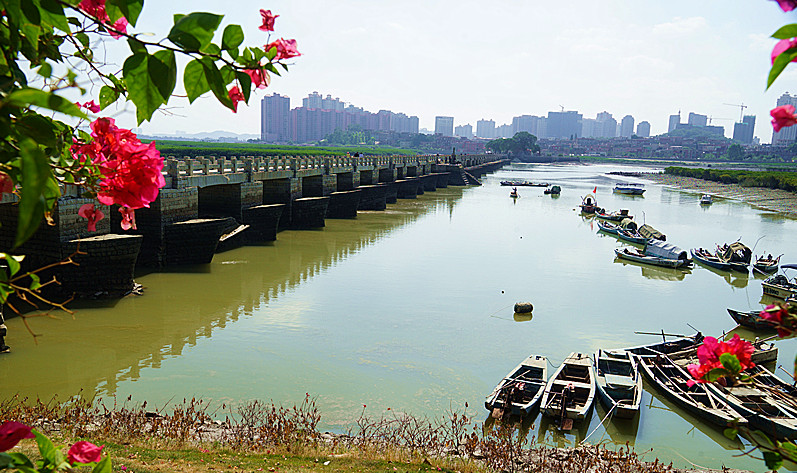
x,y
523,307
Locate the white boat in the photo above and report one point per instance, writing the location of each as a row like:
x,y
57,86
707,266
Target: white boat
x,y
705,199
629,188
570,392
779,285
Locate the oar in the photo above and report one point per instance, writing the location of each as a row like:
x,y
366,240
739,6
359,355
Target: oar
x,y
661,333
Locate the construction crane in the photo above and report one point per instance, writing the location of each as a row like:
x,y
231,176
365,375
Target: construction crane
x,y
562,107
741,109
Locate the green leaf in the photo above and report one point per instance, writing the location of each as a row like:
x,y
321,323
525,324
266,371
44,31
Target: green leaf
x,y
37,127
35,174
104,466
83,38
773,460
194,31
216,83
166,82
148,79
780,64
716,374
136,46
108,95
25,97
129,9
730,362
46,70
232,38
46,449
246,84
789,449
786,32
730,433
53,15
6,461
194,80
35,282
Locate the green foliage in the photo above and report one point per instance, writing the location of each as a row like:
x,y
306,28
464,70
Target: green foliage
x,y
195,149
355,135
522,143
770,179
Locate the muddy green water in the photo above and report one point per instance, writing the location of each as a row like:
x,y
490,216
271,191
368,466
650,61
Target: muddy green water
x,y
411,309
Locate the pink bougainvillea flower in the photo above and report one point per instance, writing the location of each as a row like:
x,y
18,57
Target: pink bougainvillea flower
x,y
91,214
260,77
783,116
11,433
131,170
710,351
95,8
84,452
780,315
236,96
90,106
6,183
118,28
128,218
787,5
781,46
268,20
286,48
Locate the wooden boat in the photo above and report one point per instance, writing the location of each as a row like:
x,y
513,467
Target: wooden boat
x,y
628,232
618,382
737,255
589,204
619,216
766,264
608,227
514,194
684,350
666,347
705,199
705,257
521,390
671,381
553,190
628,188
764,377
779,285
751,320
570,392
640,257
764,408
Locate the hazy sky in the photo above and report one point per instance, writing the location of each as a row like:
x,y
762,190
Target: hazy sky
x,y
496,60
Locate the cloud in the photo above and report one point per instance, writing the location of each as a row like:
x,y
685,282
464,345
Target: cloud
x,y
680,27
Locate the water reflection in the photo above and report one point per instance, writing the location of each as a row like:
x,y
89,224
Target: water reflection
x,y
656,272
734,278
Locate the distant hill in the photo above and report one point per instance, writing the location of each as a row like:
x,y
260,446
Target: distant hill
x,y
218,135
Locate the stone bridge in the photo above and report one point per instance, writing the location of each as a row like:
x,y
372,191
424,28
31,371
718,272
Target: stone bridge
x,y
214,204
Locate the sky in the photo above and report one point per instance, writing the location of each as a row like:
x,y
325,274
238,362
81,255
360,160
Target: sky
x,y
496,60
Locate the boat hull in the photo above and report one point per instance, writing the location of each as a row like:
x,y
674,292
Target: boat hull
x,y
751,320
618,383
777,290
575,371
712,263
652,260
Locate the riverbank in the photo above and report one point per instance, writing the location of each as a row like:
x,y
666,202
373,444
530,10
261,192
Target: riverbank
x,y
774,200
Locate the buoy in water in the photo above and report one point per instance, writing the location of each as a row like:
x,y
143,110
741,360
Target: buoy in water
x,y
523,307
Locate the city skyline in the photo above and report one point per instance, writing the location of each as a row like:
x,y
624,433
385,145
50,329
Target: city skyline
x,y
469,61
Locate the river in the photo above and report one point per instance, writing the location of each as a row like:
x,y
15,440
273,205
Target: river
x,y
411,309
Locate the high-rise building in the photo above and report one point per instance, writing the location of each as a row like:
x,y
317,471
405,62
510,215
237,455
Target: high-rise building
x,y
605,126
589,127
565,125
643,129
695,119
627,126
529,123
503,131
485,129
464,131
313,100
787,135
675,120
274,118
744,130
444,126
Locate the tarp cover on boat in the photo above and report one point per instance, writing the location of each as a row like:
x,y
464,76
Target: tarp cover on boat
x,y
736,252
649,232
628,223
664,250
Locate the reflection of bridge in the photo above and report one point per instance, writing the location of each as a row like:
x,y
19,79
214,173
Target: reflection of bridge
x,y
210,204
141,332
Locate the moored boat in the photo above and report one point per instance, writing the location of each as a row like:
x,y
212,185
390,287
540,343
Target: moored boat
x,y
705,199
779,285
672,381
764,408
619,216
667,347
628,232
766,264
521,390
651,233
570,392
553,190
524,184
619,384
629,188
589,204
737,255
705,257
751,320
641,257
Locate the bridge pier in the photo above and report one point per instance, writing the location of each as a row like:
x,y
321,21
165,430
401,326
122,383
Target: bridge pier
x,y
263,221
373,197
407,188
344,204
442,179
347,181
283,191
428,182
308,212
